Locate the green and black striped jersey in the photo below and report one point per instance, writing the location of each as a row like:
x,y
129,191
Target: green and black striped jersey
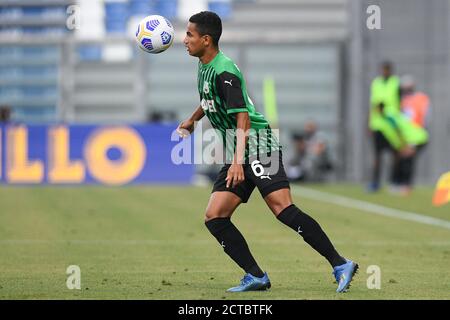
x,y
223,93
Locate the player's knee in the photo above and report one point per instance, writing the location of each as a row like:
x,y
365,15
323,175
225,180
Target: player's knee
x,y
213,214
278,206
278,200
209,217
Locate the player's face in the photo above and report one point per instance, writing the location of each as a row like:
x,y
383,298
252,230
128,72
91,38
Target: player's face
x,y
193,41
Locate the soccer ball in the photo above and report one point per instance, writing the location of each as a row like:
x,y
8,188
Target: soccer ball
x,y
154,34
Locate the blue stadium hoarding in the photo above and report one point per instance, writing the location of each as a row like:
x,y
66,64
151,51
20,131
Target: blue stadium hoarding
x,y
90,154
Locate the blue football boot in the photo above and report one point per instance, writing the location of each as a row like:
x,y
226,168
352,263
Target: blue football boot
x,y
344,275
252,283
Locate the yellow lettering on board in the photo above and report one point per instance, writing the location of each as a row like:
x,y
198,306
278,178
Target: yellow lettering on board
x,y
116,172
60,168
19,168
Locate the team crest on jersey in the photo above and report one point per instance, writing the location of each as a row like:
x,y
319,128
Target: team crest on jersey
x,y
206,87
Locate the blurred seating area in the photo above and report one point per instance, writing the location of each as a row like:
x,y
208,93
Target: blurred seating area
x,y
31,71
75,61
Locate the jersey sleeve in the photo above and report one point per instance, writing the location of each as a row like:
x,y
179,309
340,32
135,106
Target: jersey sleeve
x,y
230,90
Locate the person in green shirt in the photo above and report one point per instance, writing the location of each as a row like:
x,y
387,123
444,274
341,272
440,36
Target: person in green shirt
x,y
385,89
406,138
253,160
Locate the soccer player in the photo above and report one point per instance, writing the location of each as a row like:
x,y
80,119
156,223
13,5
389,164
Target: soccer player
x,y
224,100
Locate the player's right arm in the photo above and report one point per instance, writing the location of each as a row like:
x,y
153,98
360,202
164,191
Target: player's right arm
x,y
186,127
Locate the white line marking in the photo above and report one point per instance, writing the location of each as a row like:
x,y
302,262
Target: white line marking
x,y
369,207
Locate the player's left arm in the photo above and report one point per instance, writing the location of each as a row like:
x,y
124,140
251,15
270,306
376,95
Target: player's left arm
x,y
230,90
235,174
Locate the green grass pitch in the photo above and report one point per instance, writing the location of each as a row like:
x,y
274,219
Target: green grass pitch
x,y
150,243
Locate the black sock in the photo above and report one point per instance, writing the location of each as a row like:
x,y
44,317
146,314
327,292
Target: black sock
x,y
234,244
311,232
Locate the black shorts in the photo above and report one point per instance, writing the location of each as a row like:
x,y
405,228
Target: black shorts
x,y
259,172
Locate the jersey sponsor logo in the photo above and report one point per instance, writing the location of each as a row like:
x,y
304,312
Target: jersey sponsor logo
x,y
208,105
229,82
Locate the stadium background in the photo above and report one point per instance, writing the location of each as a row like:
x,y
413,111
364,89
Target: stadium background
x,y
320,55
65,86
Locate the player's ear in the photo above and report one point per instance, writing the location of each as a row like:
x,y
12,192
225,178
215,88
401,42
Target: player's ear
x,y
207,39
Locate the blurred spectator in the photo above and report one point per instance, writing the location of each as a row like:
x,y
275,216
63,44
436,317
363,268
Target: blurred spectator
x,y
385,90
405,138
416,107
321,163
414,104
5,114
311,160
296,170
